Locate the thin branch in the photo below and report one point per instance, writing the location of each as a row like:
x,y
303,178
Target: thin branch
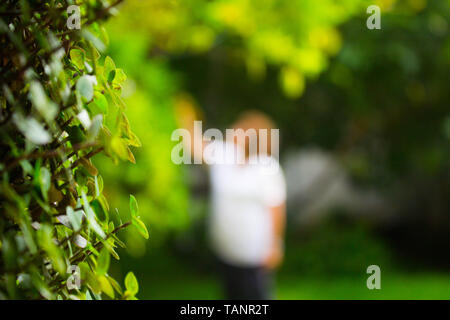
x,y
49,153
99,244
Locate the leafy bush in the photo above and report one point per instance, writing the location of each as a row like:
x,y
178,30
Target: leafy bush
x,y
149,94
60,104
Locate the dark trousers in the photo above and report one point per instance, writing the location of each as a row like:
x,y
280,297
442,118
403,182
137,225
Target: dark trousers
x,y
246,283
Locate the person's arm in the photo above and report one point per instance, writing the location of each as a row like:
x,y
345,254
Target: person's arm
x,y
278,219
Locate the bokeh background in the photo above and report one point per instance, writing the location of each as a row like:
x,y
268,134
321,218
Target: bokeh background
x,y
364,119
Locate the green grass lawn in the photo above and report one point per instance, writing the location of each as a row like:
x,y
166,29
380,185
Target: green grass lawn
x,y
399,286
395,286
330,266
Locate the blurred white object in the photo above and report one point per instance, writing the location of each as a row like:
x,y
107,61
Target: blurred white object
x,y
317,183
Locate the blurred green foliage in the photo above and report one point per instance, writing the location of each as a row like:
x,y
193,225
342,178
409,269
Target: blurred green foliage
x,y
376,99
296,37
158,184
381,105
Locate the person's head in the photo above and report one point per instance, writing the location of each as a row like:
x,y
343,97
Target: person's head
x,y
255,125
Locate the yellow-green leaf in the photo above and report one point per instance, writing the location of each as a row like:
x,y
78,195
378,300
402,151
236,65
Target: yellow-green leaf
x,y
106,286
140,226
134,209
103,262
77,56
131,283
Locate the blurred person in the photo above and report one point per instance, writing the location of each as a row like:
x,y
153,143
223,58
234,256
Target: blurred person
x,y
247,221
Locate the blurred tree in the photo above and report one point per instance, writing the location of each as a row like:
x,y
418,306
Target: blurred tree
x,y
377,98
293,37
381,105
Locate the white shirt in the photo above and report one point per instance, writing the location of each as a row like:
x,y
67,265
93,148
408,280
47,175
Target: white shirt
x,y
241,228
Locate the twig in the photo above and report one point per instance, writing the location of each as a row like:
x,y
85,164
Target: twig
x,y
48,154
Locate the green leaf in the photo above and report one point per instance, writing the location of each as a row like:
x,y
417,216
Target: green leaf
x,y
26,166
87,164
104,36
39,284
109,65
106,286
119,147
103,262
85,87
33,130
75,217
88,295
92,248
27,231
94,54
80,241
134,140
111,250
100,183
118,241
93,283
103,202
131,283
124,125
140,226
77,56
95,127
46,241
9,253
46,108
120,76
44,181
100,102
115,285
96,42
134,209
130,156
76,134
111,76
97,188
91,218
